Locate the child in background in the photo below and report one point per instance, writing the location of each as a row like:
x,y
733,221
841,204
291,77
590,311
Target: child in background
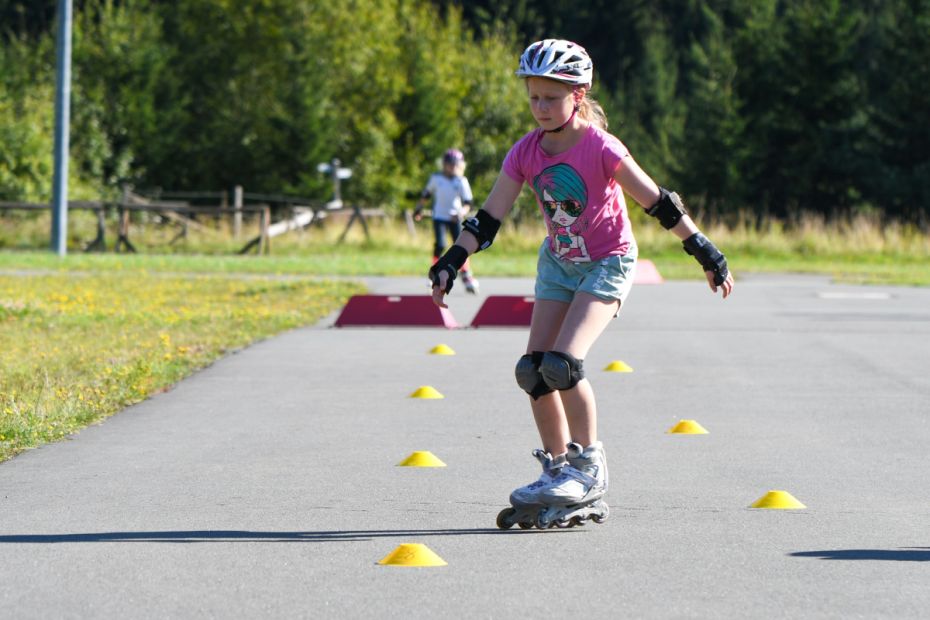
x,y
578,172
451,196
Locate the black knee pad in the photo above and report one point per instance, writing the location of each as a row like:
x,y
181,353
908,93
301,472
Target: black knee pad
x,y
561,371
528,377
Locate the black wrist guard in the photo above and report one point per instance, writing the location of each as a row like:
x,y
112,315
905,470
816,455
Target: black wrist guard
x,y
450,262
484,227
706,253
668,210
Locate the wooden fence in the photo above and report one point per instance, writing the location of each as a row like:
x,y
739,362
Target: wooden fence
x,y
99,208
174,207
174,211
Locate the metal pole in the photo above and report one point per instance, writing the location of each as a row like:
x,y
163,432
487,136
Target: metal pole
x,y
62,128
237,215
337,196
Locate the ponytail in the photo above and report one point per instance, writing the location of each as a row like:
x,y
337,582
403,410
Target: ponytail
x,y
591,111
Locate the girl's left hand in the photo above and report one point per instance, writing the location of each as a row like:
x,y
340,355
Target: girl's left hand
x,y
726,286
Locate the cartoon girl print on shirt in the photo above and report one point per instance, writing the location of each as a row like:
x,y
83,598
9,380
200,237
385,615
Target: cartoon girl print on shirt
x,y
564,197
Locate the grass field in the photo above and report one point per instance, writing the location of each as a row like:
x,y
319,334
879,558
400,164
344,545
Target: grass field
x,y
76,348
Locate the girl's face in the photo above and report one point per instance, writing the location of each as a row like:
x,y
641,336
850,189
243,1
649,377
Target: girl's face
x,y
551,102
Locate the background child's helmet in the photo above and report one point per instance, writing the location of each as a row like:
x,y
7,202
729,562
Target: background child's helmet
x,y
559,60
453,156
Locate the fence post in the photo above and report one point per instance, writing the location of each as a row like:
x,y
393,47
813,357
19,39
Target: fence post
x,y
237,214
411,227
123,230
99,244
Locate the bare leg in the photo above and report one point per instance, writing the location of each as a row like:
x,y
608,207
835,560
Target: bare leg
x,y
585,320
548,410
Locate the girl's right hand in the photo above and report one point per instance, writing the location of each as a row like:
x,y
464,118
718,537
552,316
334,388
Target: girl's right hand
x,y
439,291
443,272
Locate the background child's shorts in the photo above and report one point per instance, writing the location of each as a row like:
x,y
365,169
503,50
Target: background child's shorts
x,y
607,278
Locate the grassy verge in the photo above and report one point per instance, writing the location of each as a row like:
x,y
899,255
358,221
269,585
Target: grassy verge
x,y
77,348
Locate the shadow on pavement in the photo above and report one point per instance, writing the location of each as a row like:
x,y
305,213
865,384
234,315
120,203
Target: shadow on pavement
x,y
201,536
903,554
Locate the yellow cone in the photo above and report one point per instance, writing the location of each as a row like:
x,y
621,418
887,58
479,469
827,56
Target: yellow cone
x,y
442,349
618,366
412,554
688,427
778,500
426,391
421,458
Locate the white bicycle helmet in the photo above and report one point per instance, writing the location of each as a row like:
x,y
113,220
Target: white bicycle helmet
x,y
559,60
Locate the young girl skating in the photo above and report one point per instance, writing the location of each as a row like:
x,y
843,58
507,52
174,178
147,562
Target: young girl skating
x,y
578,172
451,195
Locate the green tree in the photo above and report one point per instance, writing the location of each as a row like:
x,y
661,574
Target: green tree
x,y
119,72
236,97
898,175
711,148
27,121
803,108
27,19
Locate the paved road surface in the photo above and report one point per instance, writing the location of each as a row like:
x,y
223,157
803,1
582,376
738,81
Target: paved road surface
x,y
266,484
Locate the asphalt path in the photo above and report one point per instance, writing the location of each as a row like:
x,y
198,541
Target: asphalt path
x,y
267,485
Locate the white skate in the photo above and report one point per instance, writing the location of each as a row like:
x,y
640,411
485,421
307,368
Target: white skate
x,y
575,495
525,501
470,282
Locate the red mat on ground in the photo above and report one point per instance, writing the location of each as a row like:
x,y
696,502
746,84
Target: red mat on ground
x,y
646,273
394,310
504,311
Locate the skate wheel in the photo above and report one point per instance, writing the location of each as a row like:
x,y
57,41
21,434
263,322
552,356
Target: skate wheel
x,y
525,525
542,522
505,518
564,523
579,521
602,516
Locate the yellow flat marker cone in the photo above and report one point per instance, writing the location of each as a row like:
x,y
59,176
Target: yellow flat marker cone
x,y
412,554
426,391
421,458
618,366
442,349
687,427
778,500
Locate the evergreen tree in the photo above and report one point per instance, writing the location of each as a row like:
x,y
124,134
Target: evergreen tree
x,y
898,175
803,109
711,150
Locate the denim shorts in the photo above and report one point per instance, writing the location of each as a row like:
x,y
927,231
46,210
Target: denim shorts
x,y
608,278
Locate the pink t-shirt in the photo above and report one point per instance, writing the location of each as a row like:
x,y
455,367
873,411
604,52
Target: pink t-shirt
x,y
581,202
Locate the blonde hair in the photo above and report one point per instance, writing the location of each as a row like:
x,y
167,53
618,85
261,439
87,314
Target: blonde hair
x,y
591,111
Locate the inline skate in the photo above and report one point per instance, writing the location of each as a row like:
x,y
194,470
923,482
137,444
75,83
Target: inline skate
x,y
576,494
470,282
525,502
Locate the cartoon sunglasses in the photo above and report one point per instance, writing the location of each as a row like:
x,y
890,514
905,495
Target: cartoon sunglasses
x,y
571,207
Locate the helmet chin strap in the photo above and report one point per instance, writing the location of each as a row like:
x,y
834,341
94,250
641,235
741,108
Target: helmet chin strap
x,y
565,124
